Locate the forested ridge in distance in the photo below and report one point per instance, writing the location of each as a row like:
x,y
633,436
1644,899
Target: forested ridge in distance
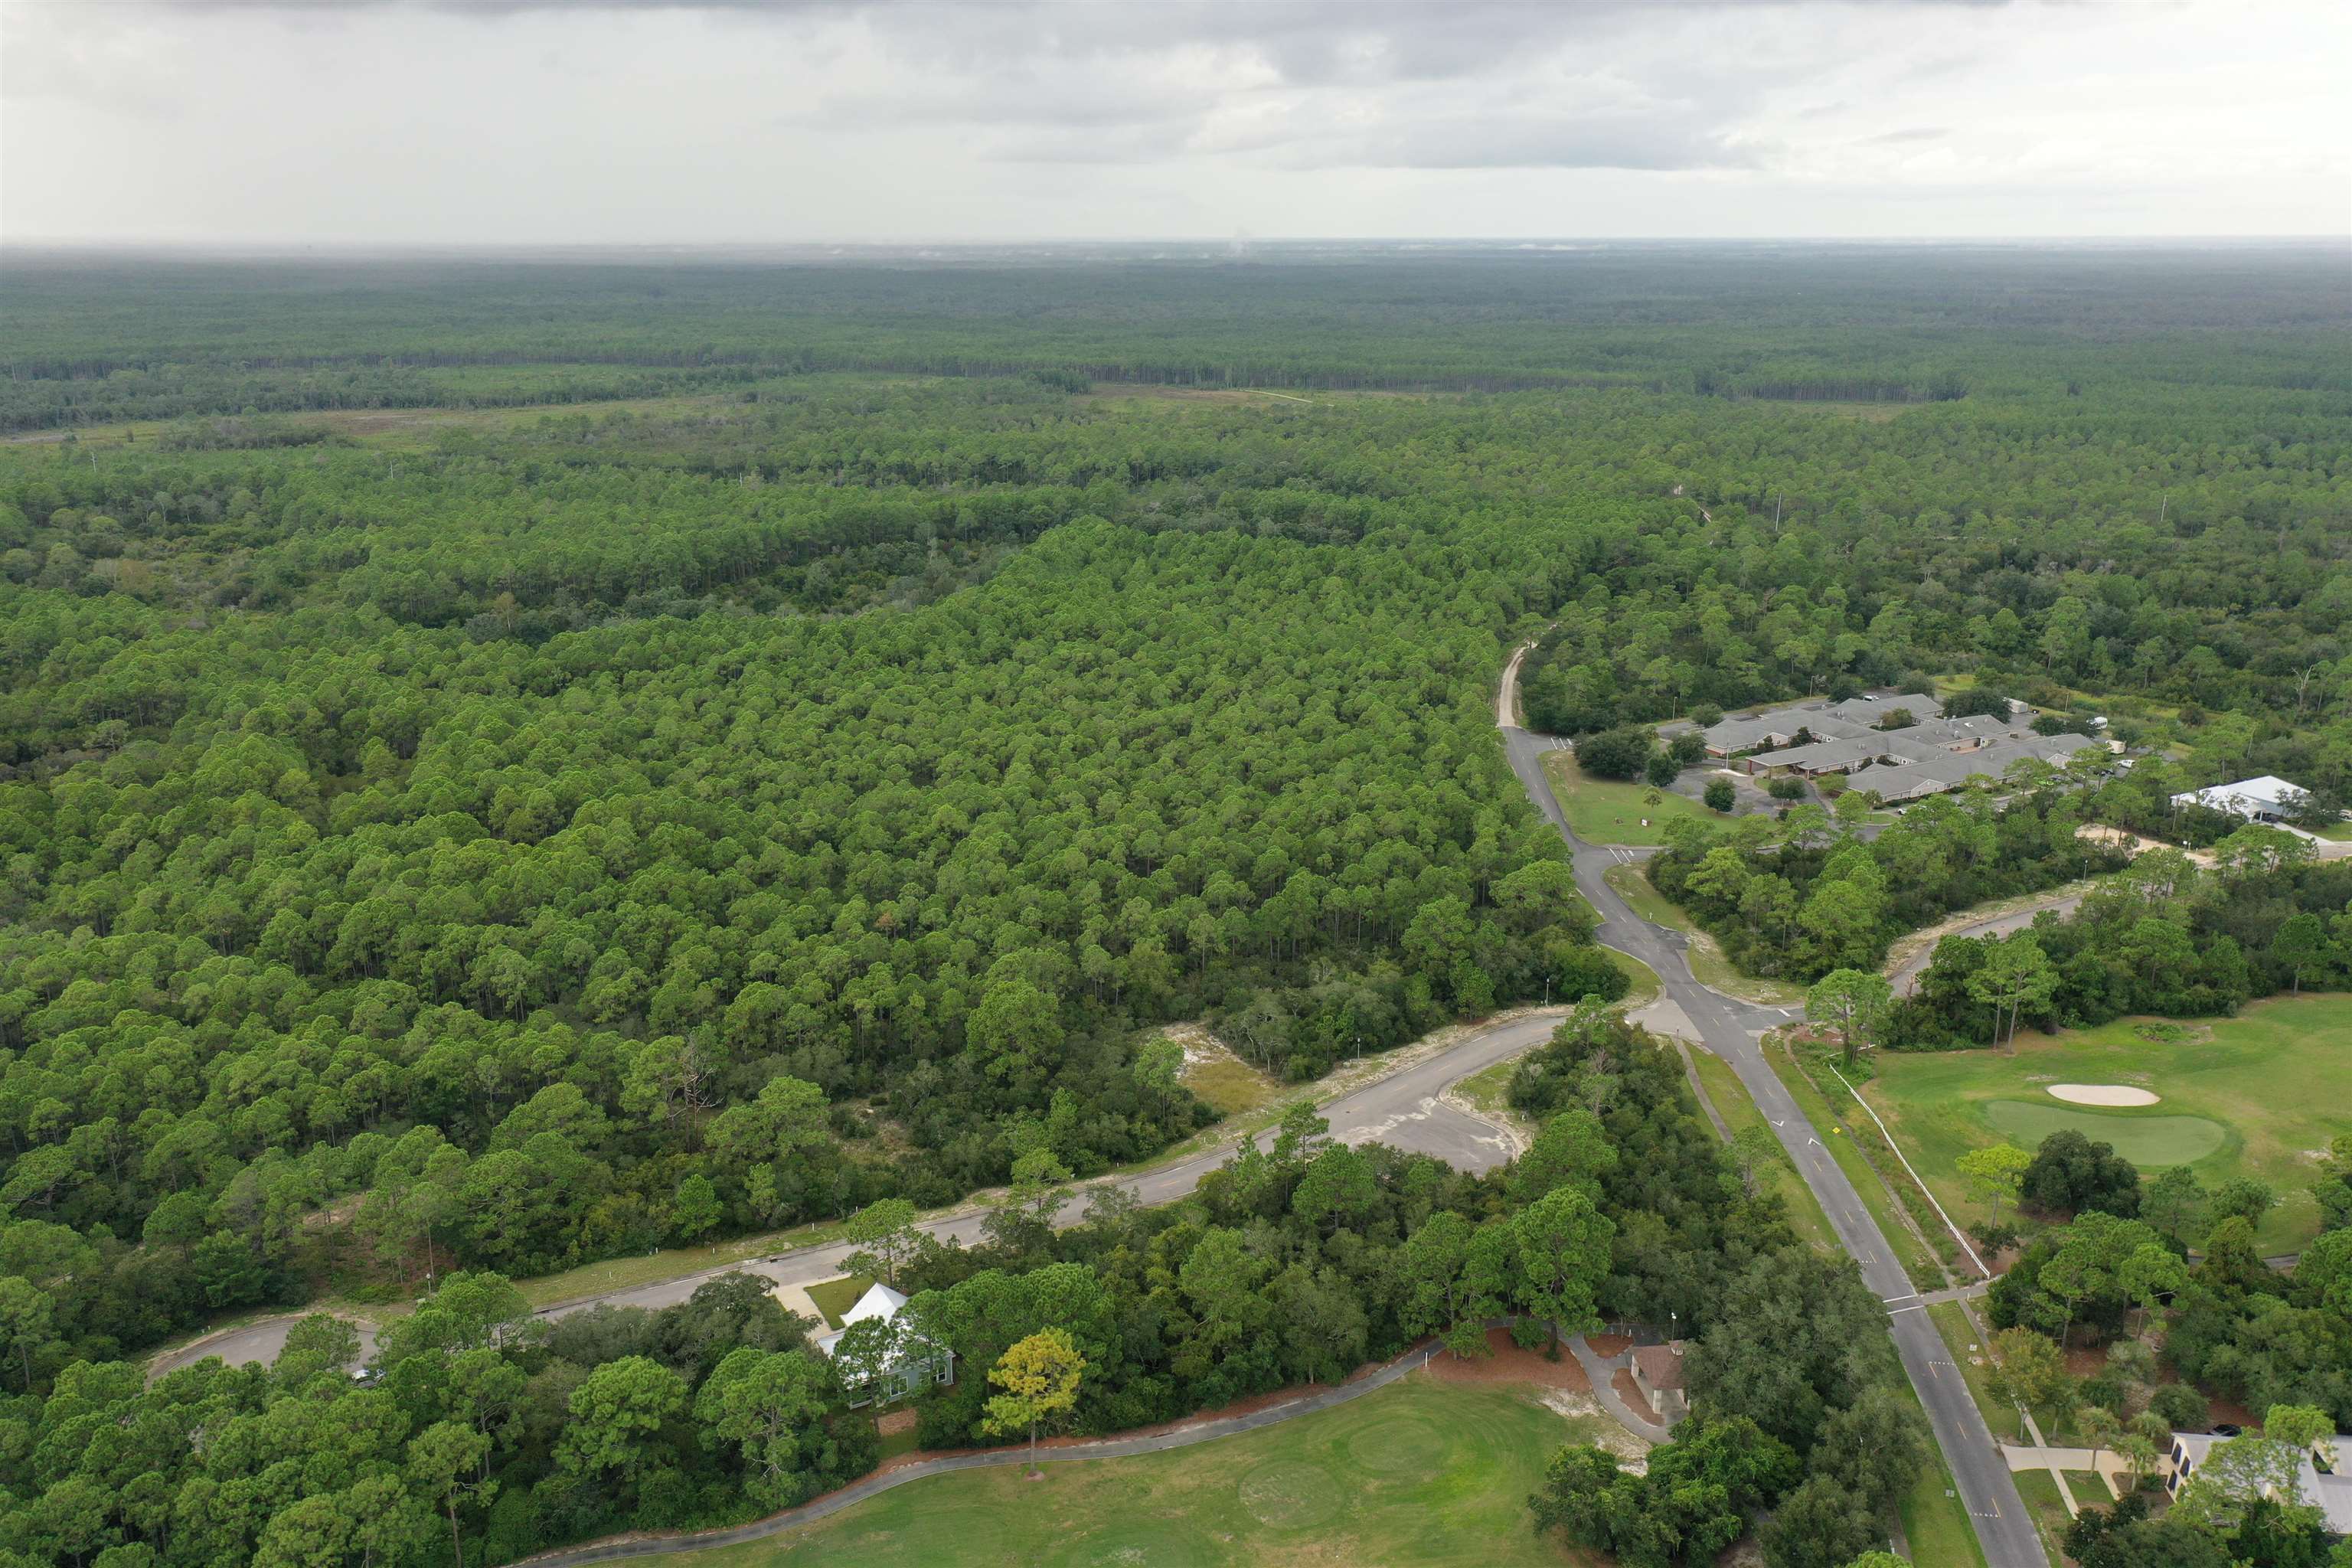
x,y
502,836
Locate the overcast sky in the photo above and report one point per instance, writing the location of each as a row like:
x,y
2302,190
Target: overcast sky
x,y
549,123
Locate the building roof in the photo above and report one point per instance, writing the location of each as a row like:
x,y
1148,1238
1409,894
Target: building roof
x,y
1872,708
2330,1490
1977,727
2268,793
1945,769
1835,752
1744,731
1660,1367
879,1302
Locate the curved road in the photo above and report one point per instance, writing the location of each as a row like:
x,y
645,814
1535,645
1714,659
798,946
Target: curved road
x,y
1407,1108
1731,1030
1905,976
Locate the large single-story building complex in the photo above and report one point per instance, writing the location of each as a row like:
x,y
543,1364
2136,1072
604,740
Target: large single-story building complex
x,y
2323,1478
915,1363
2265,799
1861,720
1924,758
1933,775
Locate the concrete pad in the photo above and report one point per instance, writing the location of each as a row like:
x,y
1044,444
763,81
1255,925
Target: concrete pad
x,y
1665,1017
795,1298
2102,1094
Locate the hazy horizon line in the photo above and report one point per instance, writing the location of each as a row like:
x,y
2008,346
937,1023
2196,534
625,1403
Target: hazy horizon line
x,y
1231,244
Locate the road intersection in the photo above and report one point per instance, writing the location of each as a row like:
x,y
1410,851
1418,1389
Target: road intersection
x,y
1409,1109
1732,1030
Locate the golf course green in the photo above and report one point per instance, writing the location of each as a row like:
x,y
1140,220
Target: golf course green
x,y
2151,1142
2257,1095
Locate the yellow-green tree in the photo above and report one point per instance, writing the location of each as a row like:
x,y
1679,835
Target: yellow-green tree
x,y
1995,1173
1040,1379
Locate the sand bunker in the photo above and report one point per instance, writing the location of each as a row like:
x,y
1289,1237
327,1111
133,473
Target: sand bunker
x,y
2103,1094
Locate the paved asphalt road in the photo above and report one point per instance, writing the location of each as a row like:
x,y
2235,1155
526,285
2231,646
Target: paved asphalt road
x,y
1906,978
1731,1029
1404,1109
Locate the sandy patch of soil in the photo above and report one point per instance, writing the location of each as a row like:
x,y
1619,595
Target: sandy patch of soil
x,y
1200,1045
2102,1094
1507,1363
1631,1451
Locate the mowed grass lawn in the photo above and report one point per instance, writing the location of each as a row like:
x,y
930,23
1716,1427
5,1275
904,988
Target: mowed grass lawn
x,y
1606,811
1418,1473
2251,1096
834,1297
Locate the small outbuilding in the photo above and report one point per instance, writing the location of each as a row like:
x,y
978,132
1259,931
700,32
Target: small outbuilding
x,y
1658,1373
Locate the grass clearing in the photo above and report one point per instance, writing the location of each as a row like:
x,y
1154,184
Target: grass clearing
x,y
1487,1090
1227,1084
1609,811
1230,1087
1643,980
2048,1509
1417,1473
835,1297
2151,1142
1708,966
2273,1083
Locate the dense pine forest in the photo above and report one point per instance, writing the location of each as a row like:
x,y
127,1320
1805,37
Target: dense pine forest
x,y
509,764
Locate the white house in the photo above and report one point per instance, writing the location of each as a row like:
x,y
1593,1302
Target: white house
x,y
2320,1477
914,1363
2265,799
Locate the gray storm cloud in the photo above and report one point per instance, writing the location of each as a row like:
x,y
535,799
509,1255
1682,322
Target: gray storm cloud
x,y
382,122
